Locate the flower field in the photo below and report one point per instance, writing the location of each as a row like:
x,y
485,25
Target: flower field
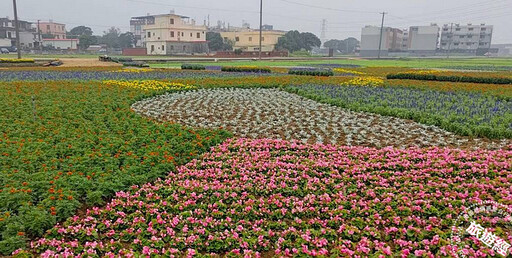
x,y
78,144
271,113
272,197
107,162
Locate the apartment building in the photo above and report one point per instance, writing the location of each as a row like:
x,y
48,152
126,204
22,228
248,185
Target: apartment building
x,y
466,38
423,39
28,34
52,29
168,34
392,40
248,39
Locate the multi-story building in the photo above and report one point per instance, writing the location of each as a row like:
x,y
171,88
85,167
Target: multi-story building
x,y
52,29
466,38
392,40
28,34
168,34
248,39
423,39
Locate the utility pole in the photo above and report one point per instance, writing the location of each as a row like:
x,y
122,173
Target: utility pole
x,y
381,31
322,35
450,42
261,25
17,27
39,36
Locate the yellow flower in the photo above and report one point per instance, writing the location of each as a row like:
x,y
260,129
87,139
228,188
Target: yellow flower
x,y
149,85
12,60
341,70
364,81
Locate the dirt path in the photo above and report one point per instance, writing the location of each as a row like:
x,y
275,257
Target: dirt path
x,y
85,62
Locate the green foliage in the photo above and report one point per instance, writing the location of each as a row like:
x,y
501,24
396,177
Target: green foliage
x,y
295,41
193,67
450,78
217,43
245,69
311,72
84,145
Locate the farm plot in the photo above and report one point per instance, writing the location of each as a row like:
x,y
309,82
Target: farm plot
x,y
271,113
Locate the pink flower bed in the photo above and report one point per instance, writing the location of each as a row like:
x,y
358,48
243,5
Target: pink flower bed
x,y
273,197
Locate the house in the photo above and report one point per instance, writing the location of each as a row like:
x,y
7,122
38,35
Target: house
x,y
28,34
52,29
61,44
473,39
391,41
169,34
248,39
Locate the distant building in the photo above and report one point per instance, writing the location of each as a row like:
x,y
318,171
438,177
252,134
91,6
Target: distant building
x,y
392,41
474,39
61,44
53,29
168,34
502,49
248,39
423,39
28,34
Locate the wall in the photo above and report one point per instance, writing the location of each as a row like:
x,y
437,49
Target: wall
x,y
63,44
56,29
134,51
423,38
248,40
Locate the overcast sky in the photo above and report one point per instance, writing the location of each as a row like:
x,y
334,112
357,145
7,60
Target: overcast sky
x,y
344,18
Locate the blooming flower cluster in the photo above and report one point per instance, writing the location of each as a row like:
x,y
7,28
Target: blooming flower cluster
x,y
271,197
149,85
364,81
346,71
135,70
271,113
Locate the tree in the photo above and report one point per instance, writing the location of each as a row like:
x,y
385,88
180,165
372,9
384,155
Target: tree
x,y
216,42
309,40
111,38
345,46
80,31
126,40
295,41
84,36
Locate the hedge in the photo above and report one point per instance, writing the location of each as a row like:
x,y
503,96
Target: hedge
x,y
16,61
449,78
311,72
245,69
193,67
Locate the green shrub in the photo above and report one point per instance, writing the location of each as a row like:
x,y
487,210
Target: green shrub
x,y
245,69
449,78
308,72
192,67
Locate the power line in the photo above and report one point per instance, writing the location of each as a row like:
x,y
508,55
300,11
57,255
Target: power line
x,y
327,8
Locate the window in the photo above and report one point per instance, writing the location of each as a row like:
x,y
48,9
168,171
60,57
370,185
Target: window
x,y
9,34
172,47
183,34
483,29
457,29
470,29
172,21
482,36
184,48
198,35
461,36
250,38
237,39
152,48
48,27
481,43
57,36
262,38
163,48
172,34
470,36
149,34
190,34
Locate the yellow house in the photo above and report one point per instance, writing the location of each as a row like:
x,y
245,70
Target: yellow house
x,y
247,40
